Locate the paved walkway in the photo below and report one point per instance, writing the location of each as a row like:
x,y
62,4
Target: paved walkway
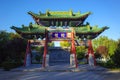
x,y
59,72
60,68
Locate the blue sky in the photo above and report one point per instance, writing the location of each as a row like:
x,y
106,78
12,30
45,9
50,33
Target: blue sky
x,y
104,12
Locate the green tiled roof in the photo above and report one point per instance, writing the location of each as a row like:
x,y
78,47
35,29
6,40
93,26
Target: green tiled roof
x,y
75,22
88,29
37,29
30,29
59,14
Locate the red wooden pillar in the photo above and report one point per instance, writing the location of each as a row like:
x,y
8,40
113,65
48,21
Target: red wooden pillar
x,y
45,49
73,49
28,52
90,50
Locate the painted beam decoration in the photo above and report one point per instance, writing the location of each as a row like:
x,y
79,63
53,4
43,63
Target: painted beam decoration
x,y
59,35
37,42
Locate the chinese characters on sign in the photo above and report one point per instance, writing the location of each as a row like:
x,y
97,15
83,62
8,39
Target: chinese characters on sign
x,y
59,35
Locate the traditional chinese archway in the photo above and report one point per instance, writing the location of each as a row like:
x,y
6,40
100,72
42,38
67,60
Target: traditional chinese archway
x,y
59,25
52,35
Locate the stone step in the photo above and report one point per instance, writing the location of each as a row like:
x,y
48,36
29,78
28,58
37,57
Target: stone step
x,y
59,56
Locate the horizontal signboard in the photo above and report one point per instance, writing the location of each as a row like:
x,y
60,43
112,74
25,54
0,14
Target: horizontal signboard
x,y
59,35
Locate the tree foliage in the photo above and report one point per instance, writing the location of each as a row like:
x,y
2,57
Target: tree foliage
x,y
65,44
51,44
110,44
113,48
11,46
116,56
103,51
80,51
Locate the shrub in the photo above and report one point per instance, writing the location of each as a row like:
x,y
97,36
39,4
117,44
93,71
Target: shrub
x,y
108,64
9,64
80,55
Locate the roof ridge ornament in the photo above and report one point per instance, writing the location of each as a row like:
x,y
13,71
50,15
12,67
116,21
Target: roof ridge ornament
x,y
71,12
22,25
39,12
30,25
79,12
47,13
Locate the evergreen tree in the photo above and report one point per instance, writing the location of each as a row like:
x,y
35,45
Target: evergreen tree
x,y
116,56
11,46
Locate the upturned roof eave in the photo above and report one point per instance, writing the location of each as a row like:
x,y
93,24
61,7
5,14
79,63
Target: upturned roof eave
x,y
83,16
81,33
90,33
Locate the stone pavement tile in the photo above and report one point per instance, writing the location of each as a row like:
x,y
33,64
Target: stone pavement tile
x,y
60,68
87,75
97,74
112,75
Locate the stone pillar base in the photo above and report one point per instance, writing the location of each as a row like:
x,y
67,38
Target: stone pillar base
x,y
47,60
28,60
46,63
72,60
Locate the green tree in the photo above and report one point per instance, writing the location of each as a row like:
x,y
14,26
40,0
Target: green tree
x,y
112,47
15,49
80,51
65,44
105,41
116,56
103,51
12,46
4,38
51,44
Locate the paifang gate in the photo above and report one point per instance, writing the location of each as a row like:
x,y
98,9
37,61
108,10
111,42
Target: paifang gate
x,y
59,26
59,55
55,34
